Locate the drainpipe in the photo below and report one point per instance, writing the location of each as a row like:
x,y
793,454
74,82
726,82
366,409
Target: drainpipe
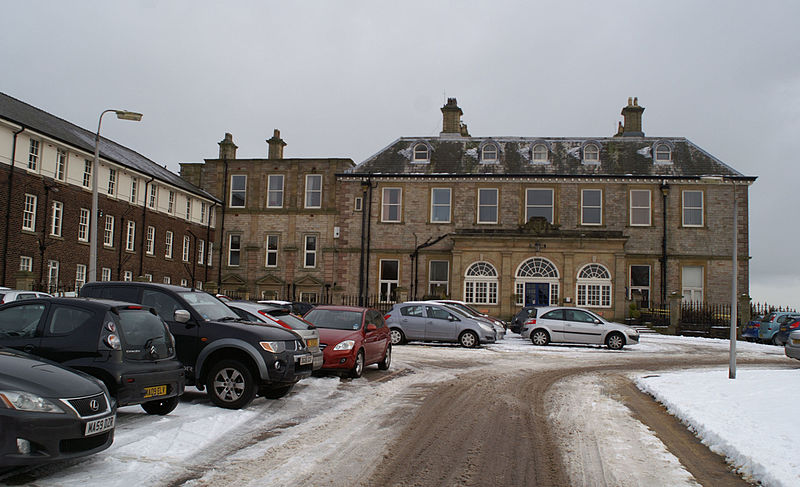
x,y
222,224
415,258
8,205
369,231
43,240
144,225
664,194
363,243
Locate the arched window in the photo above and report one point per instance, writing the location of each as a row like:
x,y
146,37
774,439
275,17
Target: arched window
x,y
663,153
591,153
421,153
489,154
539,153
480,284
540,276
594,286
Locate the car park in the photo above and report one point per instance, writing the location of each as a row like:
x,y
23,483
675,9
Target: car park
x,y
8,295
576,325
232,359
792,347
464,308
49,412
770,325
274,314
521,317
128,348
436,322
351,338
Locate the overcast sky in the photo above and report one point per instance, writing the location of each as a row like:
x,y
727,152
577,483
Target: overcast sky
x,y
344,79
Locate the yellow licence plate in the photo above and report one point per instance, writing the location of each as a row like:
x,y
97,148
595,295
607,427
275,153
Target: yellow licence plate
x,y
313,342
155,391
795,341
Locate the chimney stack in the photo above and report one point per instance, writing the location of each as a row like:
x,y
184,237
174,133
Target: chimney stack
x,y
276,145
227,149
632,127
451,118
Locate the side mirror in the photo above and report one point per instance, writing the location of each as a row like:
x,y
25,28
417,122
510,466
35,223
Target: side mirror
x,y
451,317
182,316
597,322
371,327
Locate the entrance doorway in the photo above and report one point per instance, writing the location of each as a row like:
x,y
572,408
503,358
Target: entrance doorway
x,y
537,294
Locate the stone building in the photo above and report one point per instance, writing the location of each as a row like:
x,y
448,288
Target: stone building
x,y
152,224
495,221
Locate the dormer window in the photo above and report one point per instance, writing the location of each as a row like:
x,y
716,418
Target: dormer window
x,y
663,153
489,154
539,153
591,154
421,153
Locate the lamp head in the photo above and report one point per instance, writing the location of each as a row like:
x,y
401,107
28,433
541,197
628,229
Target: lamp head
x,y
126,115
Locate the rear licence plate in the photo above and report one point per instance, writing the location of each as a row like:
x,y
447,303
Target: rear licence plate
x,y
306,359
155,391
99,425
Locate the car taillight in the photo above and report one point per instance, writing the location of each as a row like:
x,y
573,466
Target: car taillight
x,y
794,325
387,317
531,321
113,342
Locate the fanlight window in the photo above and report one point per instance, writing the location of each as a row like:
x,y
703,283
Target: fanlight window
x,y
591,153
537,267
481,269
594,286
480,284
540,153
421,152
663,153
489,153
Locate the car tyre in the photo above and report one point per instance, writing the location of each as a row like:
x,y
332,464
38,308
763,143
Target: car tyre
x,y
358,367
468,339
161,406
397,336
615,341
230,384
540,337
276,392
387,359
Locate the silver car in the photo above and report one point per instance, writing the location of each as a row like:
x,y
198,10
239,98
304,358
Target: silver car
x,y
792,347
576,325
8,295
276,315
499,326
434,322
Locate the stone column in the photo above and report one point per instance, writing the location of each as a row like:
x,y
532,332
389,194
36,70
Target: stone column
x,y
674,313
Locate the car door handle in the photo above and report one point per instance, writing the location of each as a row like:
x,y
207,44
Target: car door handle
x,y
28,348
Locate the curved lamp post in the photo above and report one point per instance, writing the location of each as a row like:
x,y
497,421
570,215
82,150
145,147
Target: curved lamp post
x,y
94,221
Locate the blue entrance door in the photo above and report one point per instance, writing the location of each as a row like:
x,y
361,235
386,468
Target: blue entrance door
x,y
537,294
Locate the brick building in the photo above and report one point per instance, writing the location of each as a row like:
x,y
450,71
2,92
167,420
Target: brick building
x,y
152,224
495,221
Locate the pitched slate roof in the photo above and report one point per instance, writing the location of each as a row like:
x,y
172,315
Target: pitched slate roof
x,y
40,121
619,156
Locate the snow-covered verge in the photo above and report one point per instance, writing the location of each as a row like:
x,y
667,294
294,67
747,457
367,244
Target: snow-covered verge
x,y
747,419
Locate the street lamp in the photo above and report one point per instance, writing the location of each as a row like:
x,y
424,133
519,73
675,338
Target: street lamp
x,y
123,115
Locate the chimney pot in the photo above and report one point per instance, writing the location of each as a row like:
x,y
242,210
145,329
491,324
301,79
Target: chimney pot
x,y
632,127
276,145
227,149
451,117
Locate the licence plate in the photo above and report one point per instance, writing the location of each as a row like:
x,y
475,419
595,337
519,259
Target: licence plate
x,y
795,341
155,391
99,425
306,359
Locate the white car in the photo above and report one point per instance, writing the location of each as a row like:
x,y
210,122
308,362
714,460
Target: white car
x,y
8,295
576,325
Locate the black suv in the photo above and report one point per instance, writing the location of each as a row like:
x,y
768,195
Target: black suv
x,y
127,347
234,359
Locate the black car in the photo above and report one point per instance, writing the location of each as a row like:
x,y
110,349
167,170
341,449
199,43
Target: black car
x,y
520,318
127,347
234,359
48,412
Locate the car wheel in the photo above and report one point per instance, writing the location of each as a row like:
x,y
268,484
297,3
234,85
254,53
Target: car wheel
x,y
615,341
540,337
358,367
468,339
387,359
230,384
162,406
397,337
775,340
276,392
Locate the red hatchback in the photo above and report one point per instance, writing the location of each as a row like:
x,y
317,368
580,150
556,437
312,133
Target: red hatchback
x,y
351,338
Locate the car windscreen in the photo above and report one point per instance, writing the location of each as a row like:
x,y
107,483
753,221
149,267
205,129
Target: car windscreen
x,y
209,307
337,319
294,322
144,336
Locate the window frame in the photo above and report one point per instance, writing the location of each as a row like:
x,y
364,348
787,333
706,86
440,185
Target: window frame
x,y
188,208
169,239
171,202
310,252
108,231
83,224
61,164
594,292
490,147
237,251
594,150
25,263
529,206
656,153
80,276
384,282
432,282
150,242
29,212
271,252
310,192
112,181
56,218
693,290
127,276
34,153
201,251
638,287
87,173
277,191
387,206
105,274
700,209
496,206
358,203
585,207
481,288
186,252
52,276
240,193
130,236
134,190
434,205
415,152
632,209
546,153
152,197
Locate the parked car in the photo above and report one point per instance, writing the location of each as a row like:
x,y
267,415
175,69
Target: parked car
x,y
297,307
127,347
750,331
234,360
436,322
351,338
8,295
499,325
792,347
521,317
575,325
278,315
49,412
771,323
788,326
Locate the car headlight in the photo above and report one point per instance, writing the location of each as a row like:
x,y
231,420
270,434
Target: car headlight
x,y
274,347
345,345
25,401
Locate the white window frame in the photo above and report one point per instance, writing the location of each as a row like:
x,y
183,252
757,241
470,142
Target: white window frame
x,y
432,282
271,251
692,293
134,190
640,287
61,164
308,251
52,276
310,192
130,236
486,154
481,284
685,208
25,263
435,205
150,244
210,253
112,181
387,286
387,206
530,207
186,249
184,283
591,290
358,203
277,191
171,202
127,276
29,213
591,154
34,151
80,276
105,274
240,193
203,212
201,251
108,231
83,225
152,196
168,239
496,205
536,155
237,250
659,153
56,219
421,155
639,209
87,173
167,280
188,208
148,277
585,207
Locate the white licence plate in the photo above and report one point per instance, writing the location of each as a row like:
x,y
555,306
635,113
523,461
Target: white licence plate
x,y
306,359
99,425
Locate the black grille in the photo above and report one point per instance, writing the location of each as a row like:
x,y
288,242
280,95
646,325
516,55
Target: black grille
x,y
83,405
294,345
77,445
